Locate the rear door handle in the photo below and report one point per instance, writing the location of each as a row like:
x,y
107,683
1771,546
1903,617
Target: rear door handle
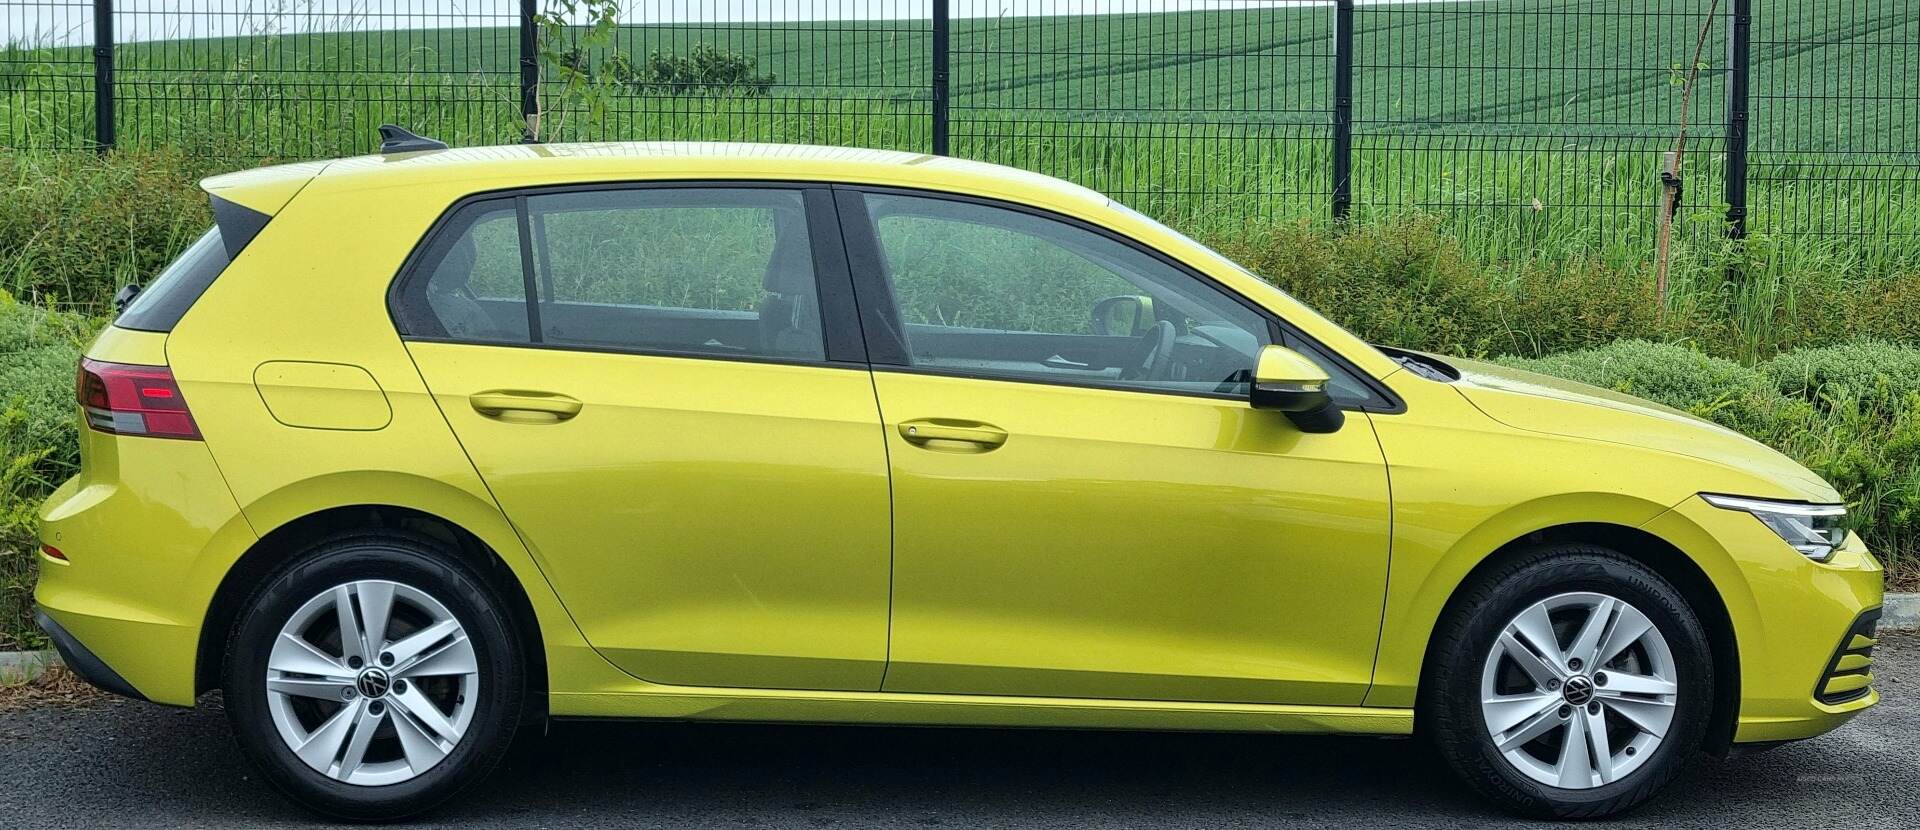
x,y
925,431
524,407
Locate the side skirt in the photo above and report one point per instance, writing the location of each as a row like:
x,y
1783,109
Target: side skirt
x,y
759,705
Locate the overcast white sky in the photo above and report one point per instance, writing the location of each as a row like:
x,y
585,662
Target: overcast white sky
x,y
70,22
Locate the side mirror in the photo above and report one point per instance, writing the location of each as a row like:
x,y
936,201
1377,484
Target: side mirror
x,y
1126,315
1286,381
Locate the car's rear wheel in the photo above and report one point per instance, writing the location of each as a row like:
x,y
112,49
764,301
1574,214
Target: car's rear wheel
x,y
1573,682
374,677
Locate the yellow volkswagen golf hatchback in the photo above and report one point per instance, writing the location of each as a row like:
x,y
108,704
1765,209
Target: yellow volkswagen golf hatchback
x,y
412,450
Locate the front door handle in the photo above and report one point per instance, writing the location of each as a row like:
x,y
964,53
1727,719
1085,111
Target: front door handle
x,y
926,431
524,407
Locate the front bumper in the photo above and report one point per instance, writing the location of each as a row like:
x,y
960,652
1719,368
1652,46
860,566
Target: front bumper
x,y
1789,614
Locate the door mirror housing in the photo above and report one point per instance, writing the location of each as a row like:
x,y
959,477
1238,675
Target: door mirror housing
x,y
1286,381
1125,315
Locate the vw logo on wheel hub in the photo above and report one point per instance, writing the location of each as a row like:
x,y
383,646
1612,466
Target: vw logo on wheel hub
x,y
1578,691
373,683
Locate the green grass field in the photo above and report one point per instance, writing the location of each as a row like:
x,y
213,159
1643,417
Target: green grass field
x,y
1537,125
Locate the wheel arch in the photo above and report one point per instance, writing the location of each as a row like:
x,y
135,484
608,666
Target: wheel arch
x,y
296,532
1671,563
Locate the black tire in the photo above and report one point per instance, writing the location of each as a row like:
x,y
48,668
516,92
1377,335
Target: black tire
x,y
1450,712
397,557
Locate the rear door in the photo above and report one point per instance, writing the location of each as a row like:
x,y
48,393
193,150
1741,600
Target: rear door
x,y
681,425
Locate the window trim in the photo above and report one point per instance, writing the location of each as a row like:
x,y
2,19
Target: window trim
x,y
880,313
833,281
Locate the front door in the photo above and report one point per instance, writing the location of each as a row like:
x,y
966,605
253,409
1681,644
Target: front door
x,y
694,459
1084,503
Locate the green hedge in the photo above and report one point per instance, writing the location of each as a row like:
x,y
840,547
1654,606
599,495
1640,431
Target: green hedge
x,y
39,353
1850,413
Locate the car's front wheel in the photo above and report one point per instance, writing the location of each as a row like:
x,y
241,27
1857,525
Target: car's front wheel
x,y
1573,682
374,677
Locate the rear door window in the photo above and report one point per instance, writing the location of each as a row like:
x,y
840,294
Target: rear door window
x,y
675,270
697,270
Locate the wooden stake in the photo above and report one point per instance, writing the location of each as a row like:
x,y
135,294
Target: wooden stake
x,y
1670,171
1669,196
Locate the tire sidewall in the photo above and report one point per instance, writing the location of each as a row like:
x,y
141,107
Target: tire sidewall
x,y
395,558
1587,569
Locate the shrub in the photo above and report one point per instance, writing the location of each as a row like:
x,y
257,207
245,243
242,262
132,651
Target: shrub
x,y
1664,373
1876,374
38,352
1409,282
76,226
707,70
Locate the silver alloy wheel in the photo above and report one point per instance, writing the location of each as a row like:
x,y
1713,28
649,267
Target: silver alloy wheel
x,y
1579,690
372,682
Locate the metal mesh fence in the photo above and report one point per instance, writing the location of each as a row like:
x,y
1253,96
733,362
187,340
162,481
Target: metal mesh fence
x,y
1179,109
1532,122
1836,119
247,78
46,76
1540,121
844,72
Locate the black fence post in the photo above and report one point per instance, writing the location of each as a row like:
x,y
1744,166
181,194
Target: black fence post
x,y
1740,47
529,71
1342,109
941,13
103,123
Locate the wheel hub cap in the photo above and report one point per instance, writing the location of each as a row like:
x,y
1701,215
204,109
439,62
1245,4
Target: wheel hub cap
x,y
1579,690
372,683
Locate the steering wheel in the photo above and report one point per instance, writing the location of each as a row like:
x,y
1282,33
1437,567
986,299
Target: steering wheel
x,y
1156,355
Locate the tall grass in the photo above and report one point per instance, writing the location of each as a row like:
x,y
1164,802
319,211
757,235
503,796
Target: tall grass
x,y
74,227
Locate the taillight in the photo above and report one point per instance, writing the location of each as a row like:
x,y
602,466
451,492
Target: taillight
x,y
134,400
52,552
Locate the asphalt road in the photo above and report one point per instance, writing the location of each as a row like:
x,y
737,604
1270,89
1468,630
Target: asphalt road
x,y
126,764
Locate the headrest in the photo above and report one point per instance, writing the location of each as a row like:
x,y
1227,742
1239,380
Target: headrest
x,y
456,267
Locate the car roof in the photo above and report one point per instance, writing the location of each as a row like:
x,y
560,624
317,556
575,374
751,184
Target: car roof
x,y
267,189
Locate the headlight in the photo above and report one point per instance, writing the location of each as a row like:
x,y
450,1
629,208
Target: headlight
x,y
1812,529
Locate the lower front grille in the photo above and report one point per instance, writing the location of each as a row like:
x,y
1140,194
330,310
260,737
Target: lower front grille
x,y
1849,675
